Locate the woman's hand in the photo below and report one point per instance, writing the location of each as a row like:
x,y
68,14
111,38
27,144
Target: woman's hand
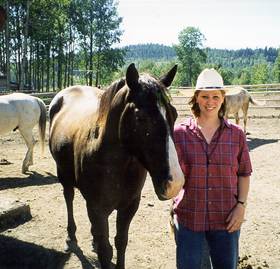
x,y
235,218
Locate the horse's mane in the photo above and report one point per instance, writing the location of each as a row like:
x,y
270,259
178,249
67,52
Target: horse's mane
x,y
109,93
107,98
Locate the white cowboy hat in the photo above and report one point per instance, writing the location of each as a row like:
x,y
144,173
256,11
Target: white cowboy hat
x,y
210,79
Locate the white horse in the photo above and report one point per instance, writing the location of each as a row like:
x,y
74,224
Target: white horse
x,y
22,111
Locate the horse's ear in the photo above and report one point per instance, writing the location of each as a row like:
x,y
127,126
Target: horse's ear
x,y
168,78
132,76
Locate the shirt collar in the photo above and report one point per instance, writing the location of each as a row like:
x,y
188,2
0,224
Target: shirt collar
x,y
191,123
226,123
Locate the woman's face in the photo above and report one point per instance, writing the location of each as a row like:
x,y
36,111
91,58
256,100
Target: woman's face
x,y
210,102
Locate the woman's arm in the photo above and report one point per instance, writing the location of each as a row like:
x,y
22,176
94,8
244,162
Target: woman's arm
x,y
236,216
243,188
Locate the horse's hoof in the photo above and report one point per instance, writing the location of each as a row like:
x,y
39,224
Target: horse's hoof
x,y
24,170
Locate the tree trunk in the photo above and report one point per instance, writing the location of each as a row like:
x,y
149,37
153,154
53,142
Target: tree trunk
x,y
59,63
48,60
91,57
66,58
72,63
7,46
19,54
24,77
53,69
97,69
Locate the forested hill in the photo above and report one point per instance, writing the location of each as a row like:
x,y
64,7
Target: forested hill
x,y
241,58
226,58
149,51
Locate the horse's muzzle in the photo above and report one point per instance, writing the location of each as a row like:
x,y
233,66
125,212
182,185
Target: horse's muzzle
x,y
169,189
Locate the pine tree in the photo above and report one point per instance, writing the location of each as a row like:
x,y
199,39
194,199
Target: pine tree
x,y
276,68
190,54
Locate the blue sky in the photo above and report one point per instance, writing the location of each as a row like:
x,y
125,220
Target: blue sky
x,y
226,24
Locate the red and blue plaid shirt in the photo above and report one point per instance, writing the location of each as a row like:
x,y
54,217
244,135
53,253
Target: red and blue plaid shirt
x,y
212,172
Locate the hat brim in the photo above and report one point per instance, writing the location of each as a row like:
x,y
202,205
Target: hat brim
x,y
229,90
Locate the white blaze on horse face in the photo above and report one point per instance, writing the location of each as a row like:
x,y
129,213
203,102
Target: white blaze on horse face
x,y
177,177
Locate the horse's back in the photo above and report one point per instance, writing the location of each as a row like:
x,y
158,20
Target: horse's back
x,y
76,100
235,102
72,110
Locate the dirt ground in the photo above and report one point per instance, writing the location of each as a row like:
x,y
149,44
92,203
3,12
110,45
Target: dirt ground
x,y
39,243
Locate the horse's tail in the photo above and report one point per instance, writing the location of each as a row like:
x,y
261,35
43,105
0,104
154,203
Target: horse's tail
x,y
254,102
42,122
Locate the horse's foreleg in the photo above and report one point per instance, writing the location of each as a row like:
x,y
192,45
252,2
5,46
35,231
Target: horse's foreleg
x,y
30,142
245,115
124,217
236,115
100,233
71,240
226,115
245,121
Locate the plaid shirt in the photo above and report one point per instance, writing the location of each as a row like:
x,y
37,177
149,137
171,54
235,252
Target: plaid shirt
x,y
211,172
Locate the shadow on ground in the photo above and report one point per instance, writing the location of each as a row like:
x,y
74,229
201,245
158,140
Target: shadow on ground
x,y
257,142
33,179
16,254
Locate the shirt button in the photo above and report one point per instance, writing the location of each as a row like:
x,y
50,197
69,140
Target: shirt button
x,y
210,189
210,203
209,161
210,174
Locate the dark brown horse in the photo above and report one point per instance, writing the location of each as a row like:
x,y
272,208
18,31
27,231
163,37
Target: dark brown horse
x,y
104,143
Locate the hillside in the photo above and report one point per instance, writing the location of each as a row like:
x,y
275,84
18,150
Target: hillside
x,y
149,52
230,59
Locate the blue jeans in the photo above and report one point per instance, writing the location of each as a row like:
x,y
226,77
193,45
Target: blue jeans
x,y
190,251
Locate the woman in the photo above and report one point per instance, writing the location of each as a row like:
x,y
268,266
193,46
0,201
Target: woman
x,y
214,157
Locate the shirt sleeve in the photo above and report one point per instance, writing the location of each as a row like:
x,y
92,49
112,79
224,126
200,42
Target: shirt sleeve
x,y
245,166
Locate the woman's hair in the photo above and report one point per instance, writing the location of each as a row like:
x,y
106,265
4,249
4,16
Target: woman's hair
x,y
195,107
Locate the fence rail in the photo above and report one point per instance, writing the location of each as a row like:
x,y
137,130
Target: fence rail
x,y
258,87
269,103
270,99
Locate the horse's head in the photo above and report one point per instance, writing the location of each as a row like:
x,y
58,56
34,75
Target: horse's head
x,y
146,129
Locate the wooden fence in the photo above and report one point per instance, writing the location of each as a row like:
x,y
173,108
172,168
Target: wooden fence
x,y
256,88
268,95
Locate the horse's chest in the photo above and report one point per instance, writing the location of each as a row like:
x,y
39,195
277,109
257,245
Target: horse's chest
x,y
111,184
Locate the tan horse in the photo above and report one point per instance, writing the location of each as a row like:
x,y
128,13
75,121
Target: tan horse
x,y
239,101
